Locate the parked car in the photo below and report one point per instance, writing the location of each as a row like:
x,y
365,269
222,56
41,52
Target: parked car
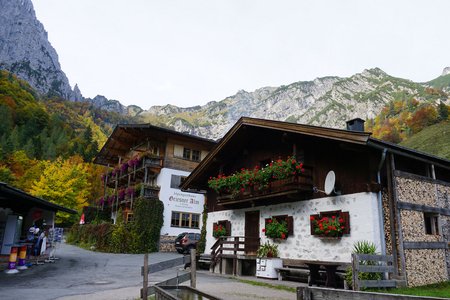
x,y
186,241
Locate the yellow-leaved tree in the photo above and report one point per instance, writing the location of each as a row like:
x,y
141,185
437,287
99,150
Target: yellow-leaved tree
x,y
64,182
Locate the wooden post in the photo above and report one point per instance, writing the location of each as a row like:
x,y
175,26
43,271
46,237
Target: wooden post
x,y
193,268
145,282
303,293
355,270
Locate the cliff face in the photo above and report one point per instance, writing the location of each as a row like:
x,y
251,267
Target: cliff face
x,y
26,51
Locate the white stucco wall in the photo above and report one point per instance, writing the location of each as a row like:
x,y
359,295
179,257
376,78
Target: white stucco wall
x,y
364,225
176,200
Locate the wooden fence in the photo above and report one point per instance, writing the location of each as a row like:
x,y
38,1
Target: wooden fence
x,y
180,261
371,263
316,293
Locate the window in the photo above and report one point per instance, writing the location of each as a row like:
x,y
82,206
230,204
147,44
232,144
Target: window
x,y
195,155
431,223
176,181
187,153
183,219
195,221
175,219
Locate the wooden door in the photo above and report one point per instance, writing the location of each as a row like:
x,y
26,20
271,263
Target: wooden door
x,y
251,232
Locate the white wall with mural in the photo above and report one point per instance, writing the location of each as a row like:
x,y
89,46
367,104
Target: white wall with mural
x,y
364,225
177,201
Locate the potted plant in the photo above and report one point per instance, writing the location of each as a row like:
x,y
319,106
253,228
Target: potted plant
x,y
219,231
275,229
267,260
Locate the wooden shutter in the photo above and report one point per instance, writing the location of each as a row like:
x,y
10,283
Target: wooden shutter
x,y
346,216
228,227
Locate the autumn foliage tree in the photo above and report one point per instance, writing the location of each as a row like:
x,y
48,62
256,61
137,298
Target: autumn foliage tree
x,y
64,182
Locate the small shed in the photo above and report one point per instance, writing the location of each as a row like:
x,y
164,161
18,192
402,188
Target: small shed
x,y
19,211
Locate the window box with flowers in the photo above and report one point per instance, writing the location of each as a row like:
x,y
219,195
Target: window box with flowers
x,y
247,181
278,227
219,231
221,228
331,224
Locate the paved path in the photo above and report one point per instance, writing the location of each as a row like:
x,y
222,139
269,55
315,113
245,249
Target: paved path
x,y
82,274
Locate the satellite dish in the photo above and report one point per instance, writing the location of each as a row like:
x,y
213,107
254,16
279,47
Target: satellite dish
x,y
330,181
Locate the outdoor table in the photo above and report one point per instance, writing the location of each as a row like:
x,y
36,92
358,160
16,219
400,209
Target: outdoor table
x,y
330,268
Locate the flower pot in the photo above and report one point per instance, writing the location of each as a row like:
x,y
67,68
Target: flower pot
x,y
265,267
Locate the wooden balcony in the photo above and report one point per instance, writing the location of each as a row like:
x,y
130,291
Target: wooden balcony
x,y
291,189
150,192
150,164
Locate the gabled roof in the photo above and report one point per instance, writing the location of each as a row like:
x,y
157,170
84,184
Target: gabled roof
x,y
352,137
126,136
18,200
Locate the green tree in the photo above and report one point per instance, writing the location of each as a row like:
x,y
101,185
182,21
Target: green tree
x,y
442,111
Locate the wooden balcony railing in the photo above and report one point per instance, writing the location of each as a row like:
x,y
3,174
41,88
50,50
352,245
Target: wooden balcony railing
x,y
150,192
285,187
231,247
151,164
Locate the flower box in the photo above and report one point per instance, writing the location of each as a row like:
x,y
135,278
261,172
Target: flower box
x,y
330,224
279,227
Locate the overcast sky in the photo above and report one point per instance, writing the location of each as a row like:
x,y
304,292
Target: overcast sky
x,y
188,52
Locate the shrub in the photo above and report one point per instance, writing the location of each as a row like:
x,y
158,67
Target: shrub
x,y
139,236
363,247
147,223
202,242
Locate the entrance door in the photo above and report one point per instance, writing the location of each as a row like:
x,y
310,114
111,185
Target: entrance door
x,y
251,232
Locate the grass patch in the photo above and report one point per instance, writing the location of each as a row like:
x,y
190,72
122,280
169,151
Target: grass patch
x,y
434,139
268,285
441,290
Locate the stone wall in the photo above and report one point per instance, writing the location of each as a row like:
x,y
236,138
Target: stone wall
x,y
167,243
364,225
423,266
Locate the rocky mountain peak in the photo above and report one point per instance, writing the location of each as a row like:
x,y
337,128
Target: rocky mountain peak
x,y
446,71
26,51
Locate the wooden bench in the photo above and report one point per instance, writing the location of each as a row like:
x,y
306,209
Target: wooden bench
x,y
288,272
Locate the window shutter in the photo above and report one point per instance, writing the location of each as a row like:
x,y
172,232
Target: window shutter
x,y
346,216
290,225
228,227
178,151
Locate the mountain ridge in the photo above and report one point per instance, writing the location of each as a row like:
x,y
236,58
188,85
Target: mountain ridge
x,y
327,101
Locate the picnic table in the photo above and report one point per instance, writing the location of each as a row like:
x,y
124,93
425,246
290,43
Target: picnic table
x,y
330,269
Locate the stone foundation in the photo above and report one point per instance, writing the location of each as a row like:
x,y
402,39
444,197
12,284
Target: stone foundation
x,y
167,243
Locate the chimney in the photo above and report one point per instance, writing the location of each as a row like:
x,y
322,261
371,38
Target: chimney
x,y
356,124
